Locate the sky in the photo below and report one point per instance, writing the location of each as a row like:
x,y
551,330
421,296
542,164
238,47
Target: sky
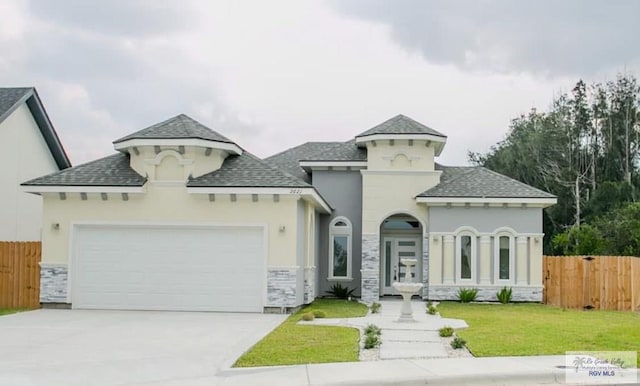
x,y
273,74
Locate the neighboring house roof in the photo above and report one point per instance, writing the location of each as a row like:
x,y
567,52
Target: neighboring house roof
x,y
401,124
247,170
113,170
480,182
179,127
12,98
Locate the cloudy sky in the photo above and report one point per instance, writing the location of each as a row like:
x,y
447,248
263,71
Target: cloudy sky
x,y
273,74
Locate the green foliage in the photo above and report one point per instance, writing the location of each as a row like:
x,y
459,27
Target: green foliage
x,y
458,342
371,341
579,240
375,307
584,149
466,295
431,310
446,331
308,316
341,292
504,295
319,314
372,329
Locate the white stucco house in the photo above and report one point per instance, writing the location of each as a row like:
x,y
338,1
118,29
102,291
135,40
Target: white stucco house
x,y
183,218
30,148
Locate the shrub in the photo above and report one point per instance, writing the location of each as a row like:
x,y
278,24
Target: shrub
x,y
466,295
445,331
371,341
340,292
319,314
375,307
308,316
458,342
504,295
431,310
372,329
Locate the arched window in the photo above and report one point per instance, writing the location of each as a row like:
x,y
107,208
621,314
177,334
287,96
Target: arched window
x,y
466,255
340,248
504,257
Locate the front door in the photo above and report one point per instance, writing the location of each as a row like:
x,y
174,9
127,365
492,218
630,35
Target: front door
x,y
394,249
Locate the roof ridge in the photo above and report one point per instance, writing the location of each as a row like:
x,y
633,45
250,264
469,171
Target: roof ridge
x,y
295,147
512,179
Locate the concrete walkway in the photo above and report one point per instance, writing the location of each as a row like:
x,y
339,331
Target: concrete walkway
x,y
403,340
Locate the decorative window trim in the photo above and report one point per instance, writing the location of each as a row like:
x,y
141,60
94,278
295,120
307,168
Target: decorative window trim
x,y
496,257
347,231
473,234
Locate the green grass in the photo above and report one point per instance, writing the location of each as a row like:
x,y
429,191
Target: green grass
x,y
7,311
539,329
291,344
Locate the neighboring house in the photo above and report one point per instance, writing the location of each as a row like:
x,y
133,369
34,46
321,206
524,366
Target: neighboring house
x,y
182,218
30,148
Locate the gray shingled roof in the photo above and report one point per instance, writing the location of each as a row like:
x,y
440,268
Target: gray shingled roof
x,y
9,97
338,151
113,170
480,182
401,124
178,127
288,160
12,98
247,170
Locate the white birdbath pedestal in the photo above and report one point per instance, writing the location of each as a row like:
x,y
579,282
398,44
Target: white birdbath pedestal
x,y
407,289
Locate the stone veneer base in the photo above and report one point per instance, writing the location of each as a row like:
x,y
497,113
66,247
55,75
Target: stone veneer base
x,y
281,287
53,283
486,293
370,288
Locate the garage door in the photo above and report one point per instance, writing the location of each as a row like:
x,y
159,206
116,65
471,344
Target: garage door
x,y
168,268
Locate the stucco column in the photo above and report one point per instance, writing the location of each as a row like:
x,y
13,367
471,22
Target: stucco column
x,y
448,260
521,260
435,262
485,260
535,261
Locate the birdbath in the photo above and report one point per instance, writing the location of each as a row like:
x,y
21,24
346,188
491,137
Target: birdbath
x,y
407,289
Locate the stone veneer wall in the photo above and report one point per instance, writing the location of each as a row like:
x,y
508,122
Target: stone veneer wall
x,y
281,287
487,293
309,284
370,290
53,283
425,266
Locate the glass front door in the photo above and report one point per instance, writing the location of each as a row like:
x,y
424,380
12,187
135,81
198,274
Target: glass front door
x,y
394,249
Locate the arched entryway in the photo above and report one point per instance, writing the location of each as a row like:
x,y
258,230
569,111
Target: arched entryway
x,y
400,237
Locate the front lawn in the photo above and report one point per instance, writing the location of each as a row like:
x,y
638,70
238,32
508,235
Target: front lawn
x,y
291,344
7,311
539,329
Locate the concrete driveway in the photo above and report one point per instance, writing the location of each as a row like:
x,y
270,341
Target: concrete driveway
x,y
78,347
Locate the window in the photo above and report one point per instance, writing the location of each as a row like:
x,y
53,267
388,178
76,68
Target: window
x,y
465,256
504,257
340,249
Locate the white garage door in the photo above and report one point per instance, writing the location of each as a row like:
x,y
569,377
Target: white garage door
x,y
168,268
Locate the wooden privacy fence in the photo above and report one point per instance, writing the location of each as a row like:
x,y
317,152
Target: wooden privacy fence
x,y
20,274
592,282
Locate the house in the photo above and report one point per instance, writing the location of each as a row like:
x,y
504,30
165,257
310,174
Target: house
x,y
183,218
31,148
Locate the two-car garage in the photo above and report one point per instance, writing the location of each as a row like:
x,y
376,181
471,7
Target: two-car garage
x,y
168,267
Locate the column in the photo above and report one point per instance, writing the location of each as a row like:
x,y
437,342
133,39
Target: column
x,y
535,261
521,260
448,260
485,260
435,261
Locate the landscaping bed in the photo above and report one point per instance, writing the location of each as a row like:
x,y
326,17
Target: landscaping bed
x,y
539,329
291,343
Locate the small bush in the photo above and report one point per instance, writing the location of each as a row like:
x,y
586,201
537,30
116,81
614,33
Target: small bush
x,y
372,329
340,292
504,295
445,331
371,341
431,310
458,342
308,316
375,307
319,314
466,295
